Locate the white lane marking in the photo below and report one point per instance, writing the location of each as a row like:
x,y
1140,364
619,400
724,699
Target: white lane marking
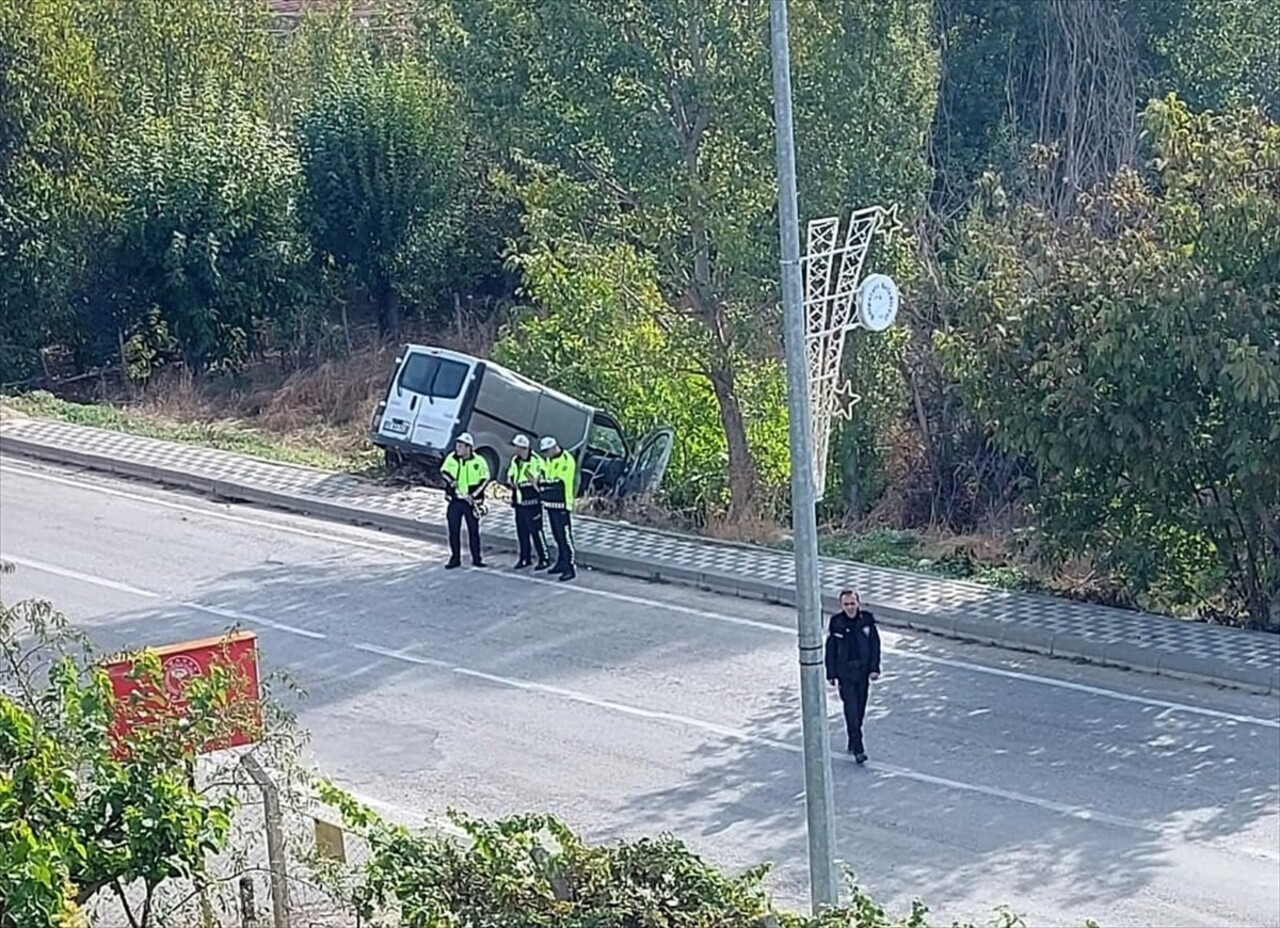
x,y
770,627
94,580
6,464
400,655
245,617
887,771
77,575
1092,690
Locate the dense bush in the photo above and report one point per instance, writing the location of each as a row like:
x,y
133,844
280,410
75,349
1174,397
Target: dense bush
x,y
531,871
1133,355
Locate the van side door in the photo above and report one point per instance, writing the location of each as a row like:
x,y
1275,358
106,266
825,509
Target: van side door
x,y
648,464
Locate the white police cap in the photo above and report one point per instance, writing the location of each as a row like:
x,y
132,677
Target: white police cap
x,y
547,443
466,439
520,441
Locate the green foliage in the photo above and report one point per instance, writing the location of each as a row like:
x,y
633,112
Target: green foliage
x,y
645,127
78,816
598,307
381,147
1216,53
207,252
531,871
190,181
53,112
1133,356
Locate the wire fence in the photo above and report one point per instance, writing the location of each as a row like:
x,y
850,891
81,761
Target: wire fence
x,y
321,861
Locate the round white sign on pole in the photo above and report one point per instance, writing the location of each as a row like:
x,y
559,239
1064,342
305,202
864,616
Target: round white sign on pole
x,y
878,300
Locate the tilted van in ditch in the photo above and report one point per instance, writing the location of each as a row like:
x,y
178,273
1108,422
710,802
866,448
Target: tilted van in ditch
x,y
436,394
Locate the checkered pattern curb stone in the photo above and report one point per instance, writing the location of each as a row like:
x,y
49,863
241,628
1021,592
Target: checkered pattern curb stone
x,y
956,608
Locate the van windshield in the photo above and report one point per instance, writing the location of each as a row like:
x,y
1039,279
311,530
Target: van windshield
x,y
429,375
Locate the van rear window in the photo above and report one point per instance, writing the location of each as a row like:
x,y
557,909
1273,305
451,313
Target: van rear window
x,y
429,375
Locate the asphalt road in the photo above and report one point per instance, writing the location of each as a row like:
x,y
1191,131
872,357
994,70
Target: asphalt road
x,y
1064,791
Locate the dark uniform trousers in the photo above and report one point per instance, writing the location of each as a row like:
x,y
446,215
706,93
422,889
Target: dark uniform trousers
x,y
460,510
529,532
853,695
561,520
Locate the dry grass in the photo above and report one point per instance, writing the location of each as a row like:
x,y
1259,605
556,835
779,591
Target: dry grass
x,y
982,549
755,530
318,415
325,408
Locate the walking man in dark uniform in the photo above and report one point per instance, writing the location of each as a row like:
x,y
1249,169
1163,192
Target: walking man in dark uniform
x,y
559,477
466,475
523,477
853,661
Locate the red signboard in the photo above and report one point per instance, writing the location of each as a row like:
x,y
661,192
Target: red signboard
x,y
236,653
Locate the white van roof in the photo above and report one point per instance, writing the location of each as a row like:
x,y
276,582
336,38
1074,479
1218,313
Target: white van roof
x,y
470,359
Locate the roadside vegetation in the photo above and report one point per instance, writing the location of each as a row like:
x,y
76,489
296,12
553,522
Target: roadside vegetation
x,y
218,215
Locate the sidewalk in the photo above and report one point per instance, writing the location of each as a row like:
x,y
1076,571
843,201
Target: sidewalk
x,y
954,608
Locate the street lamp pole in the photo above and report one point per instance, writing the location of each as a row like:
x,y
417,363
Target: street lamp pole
x,y
824,887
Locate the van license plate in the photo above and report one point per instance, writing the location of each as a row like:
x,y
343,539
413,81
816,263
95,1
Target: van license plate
x,y
397,426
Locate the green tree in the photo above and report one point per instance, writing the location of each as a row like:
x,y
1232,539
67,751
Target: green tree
x,y
54,111
1215,53
595,305
158,53
207,252
381,149
83,810
660,115
1133,355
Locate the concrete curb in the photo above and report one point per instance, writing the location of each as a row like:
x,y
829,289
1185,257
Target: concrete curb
x,y
1008,635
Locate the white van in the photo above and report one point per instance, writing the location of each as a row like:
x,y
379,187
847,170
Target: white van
x,y
435,394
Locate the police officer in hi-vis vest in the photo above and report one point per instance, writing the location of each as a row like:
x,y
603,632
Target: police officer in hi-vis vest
x,y
524,475
466,475
559,478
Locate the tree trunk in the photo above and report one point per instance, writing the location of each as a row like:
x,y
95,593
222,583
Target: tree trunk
x,y
388,311
742,466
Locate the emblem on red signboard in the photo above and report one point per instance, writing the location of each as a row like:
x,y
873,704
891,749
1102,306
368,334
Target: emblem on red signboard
x,y
177,671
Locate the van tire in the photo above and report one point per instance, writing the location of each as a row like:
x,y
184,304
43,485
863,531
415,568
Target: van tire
x,y
491,460
393,459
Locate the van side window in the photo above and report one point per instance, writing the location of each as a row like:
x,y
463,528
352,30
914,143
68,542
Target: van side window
x,y
429,375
